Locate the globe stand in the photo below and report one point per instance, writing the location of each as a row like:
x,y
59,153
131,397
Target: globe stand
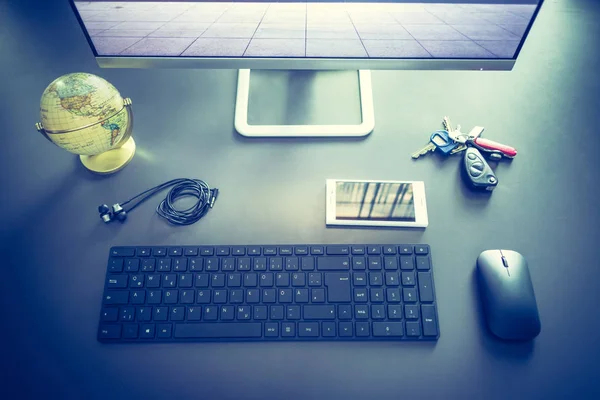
x,y
112,160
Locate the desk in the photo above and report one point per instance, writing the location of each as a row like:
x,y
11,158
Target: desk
x,y
273,191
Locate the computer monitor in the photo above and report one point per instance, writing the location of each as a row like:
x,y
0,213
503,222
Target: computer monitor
x,y
313,35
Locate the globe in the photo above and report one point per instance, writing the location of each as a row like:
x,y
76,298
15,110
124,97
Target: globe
x,y
86,115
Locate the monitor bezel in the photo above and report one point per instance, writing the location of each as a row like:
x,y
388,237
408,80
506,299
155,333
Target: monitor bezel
x,y
290,63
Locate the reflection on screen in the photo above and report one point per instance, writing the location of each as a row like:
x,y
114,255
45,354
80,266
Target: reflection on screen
x,y
396,30
375,201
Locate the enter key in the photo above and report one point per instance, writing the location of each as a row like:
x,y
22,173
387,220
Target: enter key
x,y
338,287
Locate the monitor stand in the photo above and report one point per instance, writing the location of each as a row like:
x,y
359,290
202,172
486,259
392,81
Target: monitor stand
x,y
363,128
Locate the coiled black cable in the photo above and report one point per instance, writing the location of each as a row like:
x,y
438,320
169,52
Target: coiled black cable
x,y
182,187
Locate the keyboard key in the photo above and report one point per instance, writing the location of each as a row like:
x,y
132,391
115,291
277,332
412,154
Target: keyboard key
x,y
243,312
254,250
377,295
154,296
358,263
169,280
392,279
147,331
375,278
275,263
389,249
319,312
203,296
361,311
220,296
228,264
360,295
286,250
227,313
132,265
159,251
269,296
230,330
137,281
116,297
288,329
218,280
374,263
358,250
393,295
187,297
244,264
422,249
377,311
116,281
328,329
194,313
180,264
222,251
317,250
122,252
148,265
285,295
282,279
390,263
185,280
317,295
362,329
333,263
206,251
190,251
252,296
143,314
234,280
293,312
130,331
388,329
429,320
314,279
211,313
163,331
171,296
291,263
237,296
413,329
374,250
238,250
425,287
345,329
250,280
301,295
143,251
408,279
260,264
409,295
175,251
299,279
266,279
345,311
271,329
276,312
411,312
126,314
211,264
177,313
308,329
307,263
202,280
405,249
338,250
260,313
270,251
164,264
423,263
160,313
110,332
360,279
395,312
301,250
407,262
109,314
338,287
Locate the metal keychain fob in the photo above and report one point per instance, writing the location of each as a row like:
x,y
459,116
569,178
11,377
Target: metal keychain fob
x,y
478,172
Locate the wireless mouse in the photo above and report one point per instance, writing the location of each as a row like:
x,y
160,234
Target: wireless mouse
x,y
507,295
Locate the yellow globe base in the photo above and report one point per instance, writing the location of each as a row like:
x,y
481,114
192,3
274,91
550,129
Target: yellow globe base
x,y
112,160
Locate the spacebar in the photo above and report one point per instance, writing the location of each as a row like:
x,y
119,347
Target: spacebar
x,y
218,330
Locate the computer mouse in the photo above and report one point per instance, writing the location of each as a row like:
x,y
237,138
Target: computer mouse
x,y
507,295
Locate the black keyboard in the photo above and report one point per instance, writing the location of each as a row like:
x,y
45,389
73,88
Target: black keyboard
x,y
269,293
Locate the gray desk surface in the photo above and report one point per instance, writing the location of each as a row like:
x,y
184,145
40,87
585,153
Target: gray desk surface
x,y
272,191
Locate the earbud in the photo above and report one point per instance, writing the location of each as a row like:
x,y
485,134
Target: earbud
x,y
105,213
118,212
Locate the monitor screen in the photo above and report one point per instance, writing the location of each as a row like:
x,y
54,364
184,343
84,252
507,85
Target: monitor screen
x,y
457,30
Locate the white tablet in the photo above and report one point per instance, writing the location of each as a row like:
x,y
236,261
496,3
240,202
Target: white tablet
x,y
376,203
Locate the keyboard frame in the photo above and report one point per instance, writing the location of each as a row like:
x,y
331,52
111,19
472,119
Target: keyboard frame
x,y
263,338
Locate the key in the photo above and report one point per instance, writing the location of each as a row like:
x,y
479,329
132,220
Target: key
x,y
229,330
429,147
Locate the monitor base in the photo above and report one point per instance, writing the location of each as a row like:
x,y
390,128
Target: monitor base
x,y
364,128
